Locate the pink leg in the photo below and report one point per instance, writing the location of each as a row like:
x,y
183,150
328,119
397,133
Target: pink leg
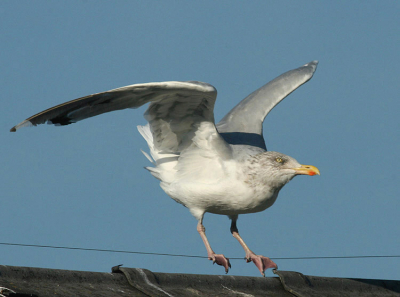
x,y
216,258
262,263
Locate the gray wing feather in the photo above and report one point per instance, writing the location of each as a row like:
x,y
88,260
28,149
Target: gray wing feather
x,y
247,117
132,96
180,114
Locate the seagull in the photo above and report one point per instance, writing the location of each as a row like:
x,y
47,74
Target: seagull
x,y
222,168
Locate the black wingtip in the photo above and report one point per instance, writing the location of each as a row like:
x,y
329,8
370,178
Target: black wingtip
x,y
13,129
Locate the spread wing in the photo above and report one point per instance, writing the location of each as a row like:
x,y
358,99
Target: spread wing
x,y
243,124
177,111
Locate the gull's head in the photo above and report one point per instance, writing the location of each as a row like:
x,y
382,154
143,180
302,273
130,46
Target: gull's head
x,y
277,169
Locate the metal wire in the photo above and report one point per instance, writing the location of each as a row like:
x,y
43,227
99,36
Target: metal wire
x,y
191,256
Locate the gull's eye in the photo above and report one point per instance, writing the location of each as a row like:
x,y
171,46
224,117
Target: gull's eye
x,y
279,160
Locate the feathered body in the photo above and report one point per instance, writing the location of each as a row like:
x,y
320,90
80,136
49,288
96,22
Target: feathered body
x,y
204,182
219,168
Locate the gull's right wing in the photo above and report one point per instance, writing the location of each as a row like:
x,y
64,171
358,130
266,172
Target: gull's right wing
x,y
243,124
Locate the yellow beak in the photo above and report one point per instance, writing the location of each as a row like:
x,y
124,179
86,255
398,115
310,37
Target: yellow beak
x,y
307,170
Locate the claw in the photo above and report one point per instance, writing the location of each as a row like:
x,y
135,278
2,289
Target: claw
x,y
220,260
261,262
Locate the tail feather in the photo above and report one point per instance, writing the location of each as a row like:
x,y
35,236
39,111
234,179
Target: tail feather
x,y
146,134
154,172
148,157
164,163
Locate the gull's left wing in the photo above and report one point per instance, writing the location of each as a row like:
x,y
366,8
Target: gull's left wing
x,y
132,96
177,111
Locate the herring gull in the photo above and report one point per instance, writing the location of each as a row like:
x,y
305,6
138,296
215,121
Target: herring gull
x,y
222,168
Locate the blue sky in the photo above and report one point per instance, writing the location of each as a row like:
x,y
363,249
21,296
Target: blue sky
x,y
84,185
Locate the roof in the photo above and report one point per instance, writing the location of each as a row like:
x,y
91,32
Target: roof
x,y
29,281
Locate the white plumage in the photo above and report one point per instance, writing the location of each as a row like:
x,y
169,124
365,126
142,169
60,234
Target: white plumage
x,y
222,169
